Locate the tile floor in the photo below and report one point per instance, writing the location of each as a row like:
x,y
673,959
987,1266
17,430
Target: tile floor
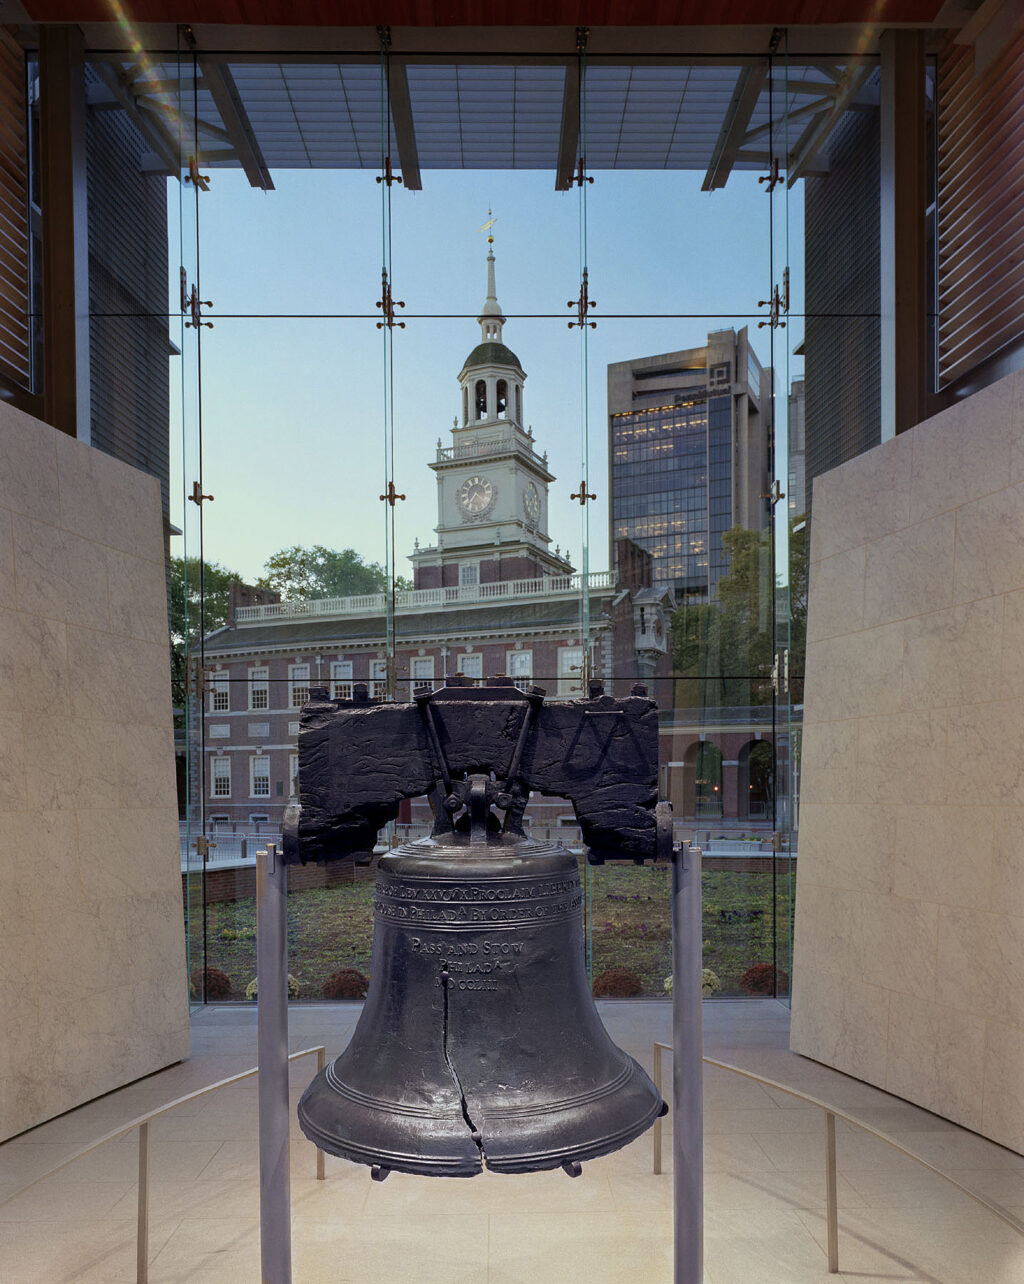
x,y
764,1188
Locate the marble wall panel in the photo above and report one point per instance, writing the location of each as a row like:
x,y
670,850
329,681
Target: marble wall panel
x,y
990,545
862,672
28,479
59,575
1011,674
1017,431
107,501
92,975
138,599
935,1055
948,469
866,498
829,754
1006,889
945,854
13,785
910,879
838,607
852,848
6,556
33,663
953,656
903,756
1003,1090
909,571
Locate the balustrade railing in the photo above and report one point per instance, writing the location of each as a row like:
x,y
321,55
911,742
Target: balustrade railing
x,y
426,599
493,443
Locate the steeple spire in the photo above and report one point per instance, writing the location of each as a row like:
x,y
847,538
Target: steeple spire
x,y
491,317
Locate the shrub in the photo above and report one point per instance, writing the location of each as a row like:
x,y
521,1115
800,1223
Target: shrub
x,y
252,989
345,984
763,978
218,983
709,983
617,983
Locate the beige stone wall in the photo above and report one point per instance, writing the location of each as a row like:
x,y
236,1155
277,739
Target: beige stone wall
x,y
910,892
92,977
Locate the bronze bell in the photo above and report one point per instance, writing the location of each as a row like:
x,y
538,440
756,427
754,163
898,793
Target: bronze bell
x,y
479,1042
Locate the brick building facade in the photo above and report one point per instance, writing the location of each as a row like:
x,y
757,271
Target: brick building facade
x,y
490,597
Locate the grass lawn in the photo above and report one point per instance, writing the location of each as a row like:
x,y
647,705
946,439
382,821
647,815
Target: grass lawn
x,y
627,909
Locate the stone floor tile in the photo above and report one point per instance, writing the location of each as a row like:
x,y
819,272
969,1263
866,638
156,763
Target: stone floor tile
x,y
601,1248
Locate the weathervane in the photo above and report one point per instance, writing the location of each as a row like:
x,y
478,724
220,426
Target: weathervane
x,y
486,227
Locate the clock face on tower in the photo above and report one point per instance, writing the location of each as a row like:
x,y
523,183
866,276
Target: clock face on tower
x,y
475,498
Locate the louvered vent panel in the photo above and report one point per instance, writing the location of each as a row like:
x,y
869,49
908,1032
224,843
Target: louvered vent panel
x,y
15,368
981,207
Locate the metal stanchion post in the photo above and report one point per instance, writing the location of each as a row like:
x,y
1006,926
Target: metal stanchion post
x,y
321,1061
659,1121
831,1202
687,1066
142,1228
272,1044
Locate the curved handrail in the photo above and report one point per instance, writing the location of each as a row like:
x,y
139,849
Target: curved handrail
x,y
123,1129
831,1114
141,1123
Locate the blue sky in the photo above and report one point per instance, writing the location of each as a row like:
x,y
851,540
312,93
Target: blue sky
x,y
293,400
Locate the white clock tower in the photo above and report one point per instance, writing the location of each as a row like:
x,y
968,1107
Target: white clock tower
x,y
492,486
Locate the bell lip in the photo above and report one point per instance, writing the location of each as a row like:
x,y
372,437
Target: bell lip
x,y
473,1162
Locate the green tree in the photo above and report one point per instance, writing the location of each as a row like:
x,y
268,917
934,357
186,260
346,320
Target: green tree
x,y
190,590
722,650
797,605
298,572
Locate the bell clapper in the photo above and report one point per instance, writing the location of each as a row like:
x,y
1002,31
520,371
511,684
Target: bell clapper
x,y
572,1167
379,1173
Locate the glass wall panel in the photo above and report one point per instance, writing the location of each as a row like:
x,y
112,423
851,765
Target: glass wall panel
x,y
621,500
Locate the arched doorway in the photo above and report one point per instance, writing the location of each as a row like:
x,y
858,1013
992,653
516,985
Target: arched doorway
x,y
756,770
702,781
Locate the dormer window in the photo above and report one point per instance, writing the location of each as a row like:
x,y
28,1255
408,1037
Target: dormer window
x,y
481,399
502,399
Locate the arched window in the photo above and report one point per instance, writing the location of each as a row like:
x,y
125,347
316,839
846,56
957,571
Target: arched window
x,y
465,405
502,399
519,404
481,399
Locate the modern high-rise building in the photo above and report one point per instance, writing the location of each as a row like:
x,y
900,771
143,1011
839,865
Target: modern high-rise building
x,y
689,446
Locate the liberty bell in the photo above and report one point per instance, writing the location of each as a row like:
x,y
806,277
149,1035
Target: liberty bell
x,y
479,1043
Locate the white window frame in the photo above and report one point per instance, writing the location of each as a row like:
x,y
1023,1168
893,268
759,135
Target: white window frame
x,y
220,770
299,678
341,679
220,692
378,684
293,728
519,667
293,772
424,663
469,575
570,670
259,687
254,759
470,660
